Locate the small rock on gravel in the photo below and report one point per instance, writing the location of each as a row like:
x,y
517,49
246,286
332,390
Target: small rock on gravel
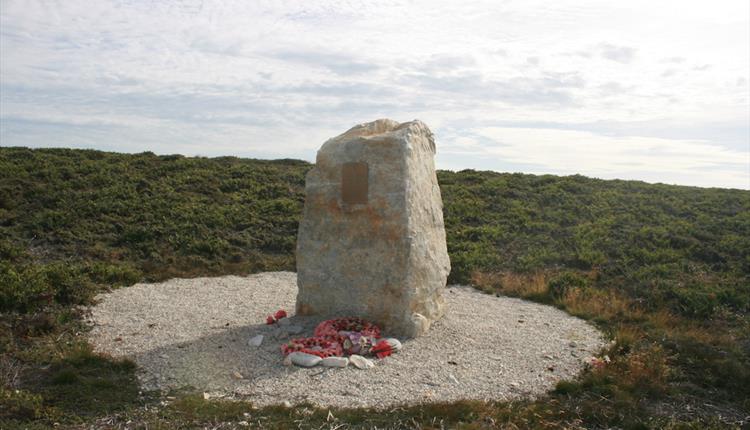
x,y
361,362
294,329
334,362
304,360
395,344
255,340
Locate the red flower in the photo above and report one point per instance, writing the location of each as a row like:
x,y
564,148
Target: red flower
x,y
381,349
270,320
281,313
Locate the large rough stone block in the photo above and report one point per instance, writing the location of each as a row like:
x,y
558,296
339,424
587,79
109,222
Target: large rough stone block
x,y
371,242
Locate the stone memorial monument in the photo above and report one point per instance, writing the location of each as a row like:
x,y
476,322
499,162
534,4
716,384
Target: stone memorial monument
x,y
371,241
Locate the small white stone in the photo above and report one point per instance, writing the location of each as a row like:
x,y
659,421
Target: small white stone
x,y
304,360
334,362
237,375
452,378
256,340
395,344
287,404
361,362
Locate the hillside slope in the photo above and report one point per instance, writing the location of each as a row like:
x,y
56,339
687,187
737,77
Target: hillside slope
x,y
168,216
662,267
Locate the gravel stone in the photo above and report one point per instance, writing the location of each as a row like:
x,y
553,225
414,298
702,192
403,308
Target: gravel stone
x,y
304,360
294,329
361,362
185,320
255,340
335,362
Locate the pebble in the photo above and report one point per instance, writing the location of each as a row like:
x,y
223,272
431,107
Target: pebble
x,y
452,378
572,344
334,362
237,375
279,333
294,329
304,360
361,362
287,404
395,344
256,340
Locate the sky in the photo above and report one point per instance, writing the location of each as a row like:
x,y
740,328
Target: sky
x,y
650,90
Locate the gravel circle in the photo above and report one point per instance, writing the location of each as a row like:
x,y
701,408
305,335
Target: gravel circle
x,y
195,332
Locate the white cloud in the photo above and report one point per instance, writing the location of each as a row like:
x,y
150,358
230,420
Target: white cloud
x,y
272,78
620,54
630,157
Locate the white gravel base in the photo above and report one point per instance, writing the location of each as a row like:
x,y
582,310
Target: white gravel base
x,y
195,332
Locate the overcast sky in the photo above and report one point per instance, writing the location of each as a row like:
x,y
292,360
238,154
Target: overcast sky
x,y
650,90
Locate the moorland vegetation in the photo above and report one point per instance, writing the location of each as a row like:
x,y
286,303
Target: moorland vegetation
x,y
664,270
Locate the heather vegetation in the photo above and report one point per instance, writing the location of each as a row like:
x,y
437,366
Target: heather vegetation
x,y
664,270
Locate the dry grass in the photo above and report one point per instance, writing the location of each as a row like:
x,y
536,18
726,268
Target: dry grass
x,y
646,371
588,303
627,336
512,284
605,305
10,372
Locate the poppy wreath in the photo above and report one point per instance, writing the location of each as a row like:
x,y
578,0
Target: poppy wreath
x,y
330,329
327,340
313,345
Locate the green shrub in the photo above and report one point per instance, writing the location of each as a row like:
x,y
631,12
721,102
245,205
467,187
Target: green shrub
x,y
20,405
23,288
26,287
113,274
70,283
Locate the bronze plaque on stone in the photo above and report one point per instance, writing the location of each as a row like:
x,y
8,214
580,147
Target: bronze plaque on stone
x,y
354,183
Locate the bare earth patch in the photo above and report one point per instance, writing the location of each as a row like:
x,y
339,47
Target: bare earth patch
x,y
195,332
